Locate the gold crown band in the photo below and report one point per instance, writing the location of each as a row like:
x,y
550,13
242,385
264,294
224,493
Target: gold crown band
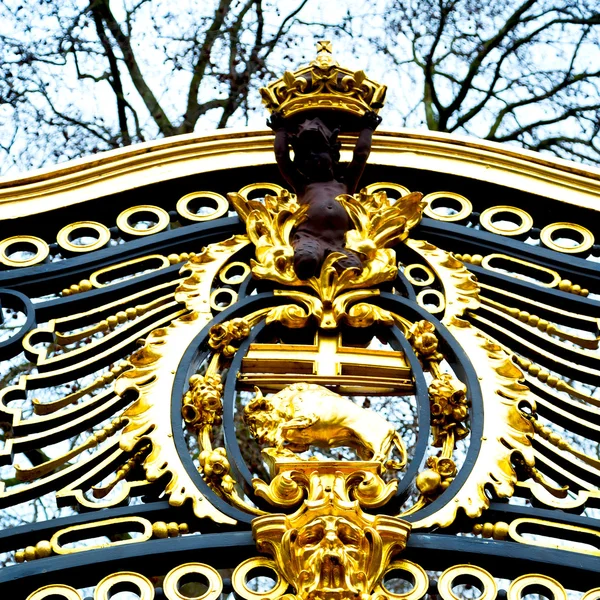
x,y
323,85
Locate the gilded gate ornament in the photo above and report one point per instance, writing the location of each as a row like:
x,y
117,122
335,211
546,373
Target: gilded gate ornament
x,y
304,415
378,224
346,387
323,85
331,548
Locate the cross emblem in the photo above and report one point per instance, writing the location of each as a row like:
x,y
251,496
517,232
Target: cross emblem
x,y
327,362
324,46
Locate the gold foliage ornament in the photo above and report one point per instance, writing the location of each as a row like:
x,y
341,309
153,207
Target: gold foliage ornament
x,y
448,398
202,403
154,367
222,336
378,223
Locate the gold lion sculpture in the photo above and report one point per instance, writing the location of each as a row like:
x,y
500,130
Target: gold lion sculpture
x,y
304,414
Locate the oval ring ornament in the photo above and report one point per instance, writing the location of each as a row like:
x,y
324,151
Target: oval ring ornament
x,y
466,208
538,582
525,220
143,585
585,242
58,590
240,576
42,250
418,574
160,214
64,236
484,579
221,206
214,582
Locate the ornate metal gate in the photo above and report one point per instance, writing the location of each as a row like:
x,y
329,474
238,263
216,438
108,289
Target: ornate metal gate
x,y
183,415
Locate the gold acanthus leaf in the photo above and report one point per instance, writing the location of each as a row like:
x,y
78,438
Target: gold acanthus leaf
x,y
153,374
505,429
346,307
269,227
378,223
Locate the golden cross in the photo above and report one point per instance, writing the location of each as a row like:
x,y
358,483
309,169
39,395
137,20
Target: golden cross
x,y
324,46
327,362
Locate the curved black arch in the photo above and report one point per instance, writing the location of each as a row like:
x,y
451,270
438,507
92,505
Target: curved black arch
x,y
190,361
192,357
233,447
423,421
465,371
20,302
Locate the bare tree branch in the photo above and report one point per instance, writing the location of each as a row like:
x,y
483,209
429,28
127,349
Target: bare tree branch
x,y
104,12
511,74
194,110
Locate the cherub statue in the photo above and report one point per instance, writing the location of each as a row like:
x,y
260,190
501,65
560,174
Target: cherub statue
x,y
317,177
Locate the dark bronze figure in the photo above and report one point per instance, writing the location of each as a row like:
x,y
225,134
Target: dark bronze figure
x,y
317,177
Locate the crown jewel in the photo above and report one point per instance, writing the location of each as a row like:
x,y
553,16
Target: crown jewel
x,y
323,85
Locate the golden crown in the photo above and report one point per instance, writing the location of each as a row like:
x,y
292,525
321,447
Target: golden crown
x,y
323,85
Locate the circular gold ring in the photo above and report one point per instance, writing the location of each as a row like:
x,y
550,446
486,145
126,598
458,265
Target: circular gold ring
x,y
386,185
466,208
216,293
585,236
523,225
592,595
434,311
225,277
253,187
124,219
418,574
66,591
408,270
145,588
489,587
75,230
557,591
171,582
22,243
221,206
239,579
